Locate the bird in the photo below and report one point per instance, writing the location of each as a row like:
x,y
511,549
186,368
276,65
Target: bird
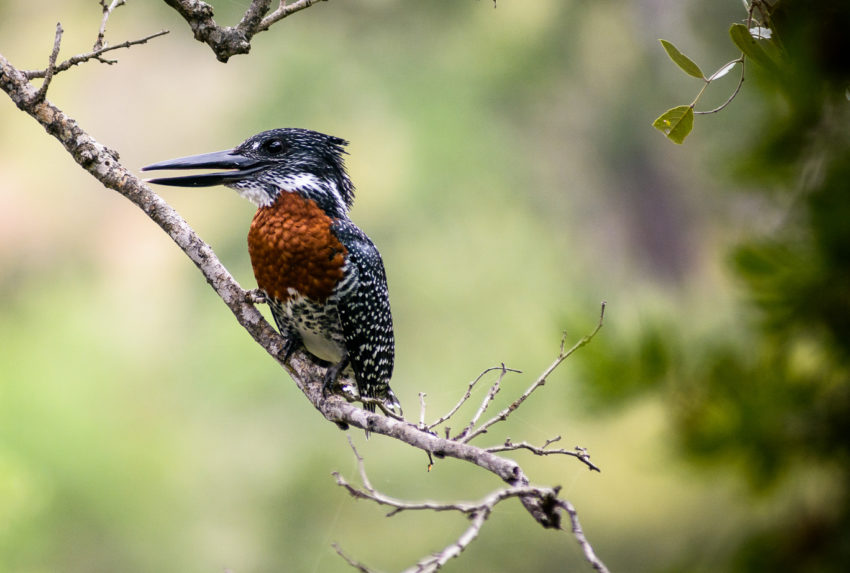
x,y
322,277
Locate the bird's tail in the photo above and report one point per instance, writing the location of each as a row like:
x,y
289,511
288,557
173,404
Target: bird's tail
x,y
387,398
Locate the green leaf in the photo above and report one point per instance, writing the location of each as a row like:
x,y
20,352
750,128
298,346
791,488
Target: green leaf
x,y
676,123
682,60
752,48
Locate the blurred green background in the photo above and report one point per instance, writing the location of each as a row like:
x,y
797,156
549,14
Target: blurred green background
x,y
507,170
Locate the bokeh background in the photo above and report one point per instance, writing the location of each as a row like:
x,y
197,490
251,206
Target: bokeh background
x,y
508,172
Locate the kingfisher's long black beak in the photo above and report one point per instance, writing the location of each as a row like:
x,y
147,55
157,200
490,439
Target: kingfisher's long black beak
x,y
239,165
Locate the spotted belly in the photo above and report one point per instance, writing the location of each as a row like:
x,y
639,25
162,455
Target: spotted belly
x,y
317,324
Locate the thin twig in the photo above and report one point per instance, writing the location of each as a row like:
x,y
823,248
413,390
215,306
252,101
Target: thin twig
x,y
361,466
107,11
436,561
284,10
563,355
547,443
578,533
369,492
469,508
485,403
398,505
722,106
95,54
578,453
468,394
356,564
478,513
51,65
742,59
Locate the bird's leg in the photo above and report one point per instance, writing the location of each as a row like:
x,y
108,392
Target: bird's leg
x,y
293,343
333,373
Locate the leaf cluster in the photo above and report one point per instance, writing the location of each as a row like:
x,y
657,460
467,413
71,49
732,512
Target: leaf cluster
x,y
757,43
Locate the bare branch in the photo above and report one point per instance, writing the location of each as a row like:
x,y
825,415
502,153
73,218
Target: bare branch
x,y
361,466
227,41
485,403
107,11
96,52
437,560
578,533
563,355
51,66
356,564
469,508
285,10
253,16
468,394
478,512
578,453
94,55
369,492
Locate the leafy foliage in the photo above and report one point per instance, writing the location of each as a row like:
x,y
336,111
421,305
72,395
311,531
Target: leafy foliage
x,y
756,44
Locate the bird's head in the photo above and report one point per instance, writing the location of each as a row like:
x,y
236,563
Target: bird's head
x,y
270,163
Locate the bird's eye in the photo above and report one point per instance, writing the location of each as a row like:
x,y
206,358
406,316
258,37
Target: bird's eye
x,y
273,146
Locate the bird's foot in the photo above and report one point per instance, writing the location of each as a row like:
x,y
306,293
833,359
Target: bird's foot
x,y
293,343
256,296
332,375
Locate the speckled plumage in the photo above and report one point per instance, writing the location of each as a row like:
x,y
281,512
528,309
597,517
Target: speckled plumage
x,y
323,277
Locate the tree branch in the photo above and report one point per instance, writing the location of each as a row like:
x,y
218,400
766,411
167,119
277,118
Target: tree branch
x,y
51,66
107,11
578,453
253,15
285,10
93,55
356,564
227,41
578,533
478,512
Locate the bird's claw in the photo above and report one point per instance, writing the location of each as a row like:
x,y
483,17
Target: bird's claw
x,y
256,296
290,346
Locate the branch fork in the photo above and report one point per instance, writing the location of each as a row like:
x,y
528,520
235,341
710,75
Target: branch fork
x,y
227,41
